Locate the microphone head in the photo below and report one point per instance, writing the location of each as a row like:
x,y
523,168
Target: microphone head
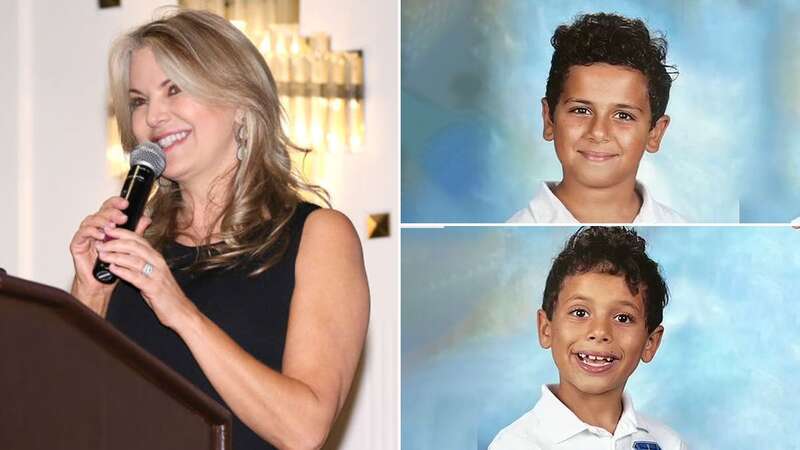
x,y
149,154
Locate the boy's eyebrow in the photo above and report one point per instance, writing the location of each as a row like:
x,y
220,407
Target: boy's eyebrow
x,y
163,83
627,106
578,296
584,297
631,304
577,100
588,102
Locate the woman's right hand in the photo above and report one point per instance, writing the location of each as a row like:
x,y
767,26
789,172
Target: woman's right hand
x,y
92,230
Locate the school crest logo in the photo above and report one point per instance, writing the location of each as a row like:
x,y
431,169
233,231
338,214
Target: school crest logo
x,y
645,445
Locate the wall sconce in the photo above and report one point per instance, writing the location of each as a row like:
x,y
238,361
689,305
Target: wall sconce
x,y
322,91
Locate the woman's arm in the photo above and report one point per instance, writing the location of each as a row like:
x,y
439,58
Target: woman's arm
x,y
327,326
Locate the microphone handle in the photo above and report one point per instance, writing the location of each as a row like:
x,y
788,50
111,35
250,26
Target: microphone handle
x,y
136,190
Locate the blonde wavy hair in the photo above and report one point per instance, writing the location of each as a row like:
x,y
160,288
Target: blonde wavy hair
x,y
215,63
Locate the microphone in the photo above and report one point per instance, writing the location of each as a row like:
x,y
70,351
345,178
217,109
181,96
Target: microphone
x,y
147,164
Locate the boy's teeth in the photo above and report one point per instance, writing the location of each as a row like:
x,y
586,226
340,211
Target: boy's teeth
x,y
586,357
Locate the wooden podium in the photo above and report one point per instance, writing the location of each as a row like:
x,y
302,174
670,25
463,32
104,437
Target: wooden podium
x,y
69,380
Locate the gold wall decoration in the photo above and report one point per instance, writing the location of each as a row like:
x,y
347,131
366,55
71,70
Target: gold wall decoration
x,y
378,225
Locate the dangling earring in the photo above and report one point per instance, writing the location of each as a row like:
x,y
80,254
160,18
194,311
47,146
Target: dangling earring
x,y
164,183
241,143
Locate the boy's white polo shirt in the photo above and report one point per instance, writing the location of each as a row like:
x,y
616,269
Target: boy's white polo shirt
x,y
550,425
545,207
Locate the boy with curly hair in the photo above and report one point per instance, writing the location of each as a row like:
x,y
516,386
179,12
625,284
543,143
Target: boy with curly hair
x,y
604,106
601,313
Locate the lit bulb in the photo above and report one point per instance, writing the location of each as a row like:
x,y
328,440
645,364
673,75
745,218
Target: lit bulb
x,y
266,44
240,24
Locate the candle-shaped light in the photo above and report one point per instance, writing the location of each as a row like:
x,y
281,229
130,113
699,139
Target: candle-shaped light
x,y
355,101
255,17
238,15
301,101
216,6
270,16
337,113
267,46
194,4
320,68
287,11
282,73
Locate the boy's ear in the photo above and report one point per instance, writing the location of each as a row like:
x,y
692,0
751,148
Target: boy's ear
x,y
657,133
547,132
651,346
543,326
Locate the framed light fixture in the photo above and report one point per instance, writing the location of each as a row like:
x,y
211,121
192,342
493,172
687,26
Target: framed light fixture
x,y
321,90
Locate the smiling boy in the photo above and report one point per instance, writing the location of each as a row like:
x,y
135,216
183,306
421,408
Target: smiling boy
x,y
606,95
601,314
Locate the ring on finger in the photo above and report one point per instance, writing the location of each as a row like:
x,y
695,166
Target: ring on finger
x,y
147,269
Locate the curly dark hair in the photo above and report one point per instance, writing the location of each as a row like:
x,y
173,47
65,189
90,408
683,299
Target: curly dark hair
x,y
616,40
614,251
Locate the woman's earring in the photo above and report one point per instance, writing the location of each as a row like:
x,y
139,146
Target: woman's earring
x,y
164,183
241,143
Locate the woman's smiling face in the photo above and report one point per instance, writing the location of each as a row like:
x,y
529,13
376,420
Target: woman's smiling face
x,y
197,138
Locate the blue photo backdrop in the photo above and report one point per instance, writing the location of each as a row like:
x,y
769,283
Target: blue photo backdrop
x,y
473,74
725,376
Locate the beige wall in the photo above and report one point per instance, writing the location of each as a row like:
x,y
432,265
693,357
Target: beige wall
x,y
9,125
55,121
369,183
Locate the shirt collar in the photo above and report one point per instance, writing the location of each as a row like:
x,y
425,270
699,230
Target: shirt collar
x,y
628,422
545,207
560,423
647,212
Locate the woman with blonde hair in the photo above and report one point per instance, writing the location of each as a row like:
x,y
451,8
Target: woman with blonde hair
x,y
257,297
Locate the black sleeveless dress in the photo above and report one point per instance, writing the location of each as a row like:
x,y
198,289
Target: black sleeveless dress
x,y
253,311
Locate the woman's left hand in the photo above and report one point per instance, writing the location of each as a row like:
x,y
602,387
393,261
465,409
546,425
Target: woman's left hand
x,y
132,259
